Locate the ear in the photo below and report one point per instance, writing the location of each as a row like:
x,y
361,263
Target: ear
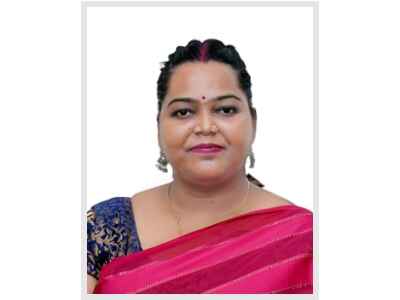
x,y
254,123
158,136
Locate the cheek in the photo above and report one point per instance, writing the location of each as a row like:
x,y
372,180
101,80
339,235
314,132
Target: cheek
x,y
238,133
173,135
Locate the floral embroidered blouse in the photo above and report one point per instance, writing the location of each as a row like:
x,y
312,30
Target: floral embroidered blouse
x,y
111,232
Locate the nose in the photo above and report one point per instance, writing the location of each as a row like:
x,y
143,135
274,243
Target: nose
x,y
205,124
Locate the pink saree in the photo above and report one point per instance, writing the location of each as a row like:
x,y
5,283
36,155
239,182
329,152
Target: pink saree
x,y
261,252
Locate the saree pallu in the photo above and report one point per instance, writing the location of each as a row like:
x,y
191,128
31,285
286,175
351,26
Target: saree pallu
x,y
260,252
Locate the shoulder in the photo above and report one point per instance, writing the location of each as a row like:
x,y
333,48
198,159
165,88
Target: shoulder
x,y
112,216
106,213
265,199
149,200
110,207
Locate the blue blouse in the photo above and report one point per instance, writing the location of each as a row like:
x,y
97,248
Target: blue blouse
x,y
111,232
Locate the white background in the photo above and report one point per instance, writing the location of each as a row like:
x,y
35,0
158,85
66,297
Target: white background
x,y
40,151
124,51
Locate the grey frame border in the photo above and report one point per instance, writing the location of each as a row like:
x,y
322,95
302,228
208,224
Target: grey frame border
x,y
315,6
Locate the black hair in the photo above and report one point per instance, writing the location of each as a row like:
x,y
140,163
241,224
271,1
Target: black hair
x,y
210,49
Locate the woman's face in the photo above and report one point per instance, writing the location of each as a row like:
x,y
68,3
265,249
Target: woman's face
x,y
204,105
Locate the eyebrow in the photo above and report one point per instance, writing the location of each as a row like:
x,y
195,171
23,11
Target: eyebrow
x,y
219,98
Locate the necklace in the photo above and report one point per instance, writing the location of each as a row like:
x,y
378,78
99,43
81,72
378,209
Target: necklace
x,y
178,218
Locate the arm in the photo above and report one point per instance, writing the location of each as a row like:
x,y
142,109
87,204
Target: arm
x,y
91,283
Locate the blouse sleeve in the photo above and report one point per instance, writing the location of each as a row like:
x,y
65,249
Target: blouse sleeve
x,y
93,245
110,233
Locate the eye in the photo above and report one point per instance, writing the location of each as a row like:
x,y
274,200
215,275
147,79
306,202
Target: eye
x,y
227,110
182,113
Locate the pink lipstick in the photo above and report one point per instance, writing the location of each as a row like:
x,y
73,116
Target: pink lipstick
x,y
207,148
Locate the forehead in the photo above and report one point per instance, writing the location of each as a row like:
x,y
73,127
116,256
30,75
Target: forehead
x,y
198,79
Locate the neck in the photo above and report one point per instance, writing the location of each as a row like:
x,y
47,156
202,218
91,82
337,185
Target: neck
x,y
189,199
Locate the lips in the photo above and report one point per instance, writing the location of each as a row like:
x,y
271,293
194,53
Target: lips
x,y
206,148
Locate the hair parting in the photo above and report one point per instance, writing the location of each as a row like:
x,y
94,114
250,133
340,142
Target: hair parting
x,y
203,52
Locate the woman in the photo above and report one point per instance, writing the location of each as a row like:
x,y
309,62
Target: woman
x,y
213,229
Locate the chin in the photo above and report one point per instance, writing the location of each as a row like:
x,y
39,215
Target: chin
x,y
206,174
